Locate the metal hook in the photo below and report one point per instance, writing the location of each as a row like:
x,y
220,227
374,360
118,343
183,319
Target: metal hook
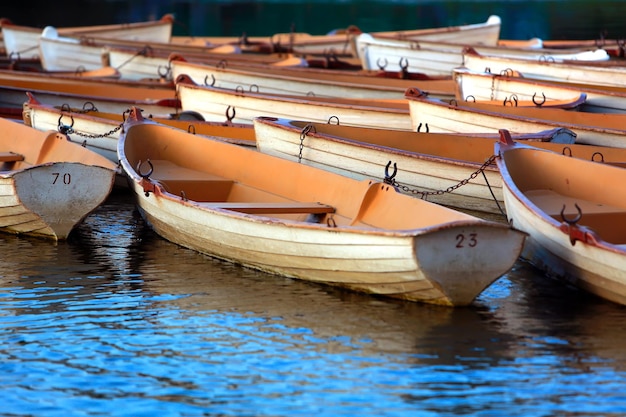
x,y
382,63
191,129
389,178
419,127
335,118
164,71
593,157
212,80
150,171
230,116
470,97
572,222
538,104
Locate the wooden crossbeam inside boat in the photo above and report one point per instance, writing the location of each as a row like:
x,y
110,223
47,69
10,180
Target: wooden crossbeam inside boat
x,y
273,208
11,157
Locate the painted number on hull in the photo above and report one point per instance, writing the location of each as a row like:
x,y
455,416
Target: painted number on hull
x,y
463,240
61,179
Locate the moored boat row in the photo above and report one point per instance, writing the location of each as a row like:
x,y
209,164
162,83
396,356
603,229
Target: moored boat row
x,y
340,157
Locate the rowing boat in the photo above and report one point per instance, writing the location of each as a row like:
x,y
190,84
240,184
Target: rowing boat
x,y
602,129
306,81
99,131
546,70
451,169
48,184
23,41
471,85
238,106
297,221
575,227
440,58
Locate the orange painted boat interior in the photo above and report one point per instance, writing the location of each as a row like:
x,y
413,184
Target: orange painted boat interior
x,y
31,147
454,147
556,183
210,171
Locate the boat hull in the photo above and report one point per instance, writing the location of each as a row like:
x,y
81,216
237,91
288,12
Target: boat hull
x,y
49,200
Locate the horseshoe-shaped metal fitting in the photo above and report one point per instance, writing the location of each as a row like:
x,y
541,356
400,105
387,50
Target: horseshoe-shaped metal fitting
x,y
89,106
212,80
147,174
537,103
470,98
403,63
567,151
381,63
191,129
512,100
389,178
419,127
230,115
254,88
572,221
333,118
453,102
599,154
164,71
65,129
221,64
239,89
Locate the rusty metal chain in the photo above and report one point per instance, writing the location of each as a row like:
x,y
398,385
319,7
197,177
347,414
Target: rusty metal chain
x,y
303,134
102,135
450,189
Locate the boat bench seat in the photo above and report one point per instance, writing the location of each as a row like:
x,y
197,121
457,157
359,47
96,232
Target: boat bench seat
x,y
11,157
552,203
195,184
287,207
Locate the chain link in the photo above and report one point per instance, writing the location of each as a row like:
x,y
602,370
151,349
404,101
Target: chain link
x,y
103,135
450,189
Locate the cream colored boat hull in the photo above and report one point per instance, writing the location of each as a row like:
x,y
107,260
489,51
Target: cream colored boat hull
x,y
387,255
438,58
439,116
548,71
217,104
583,258
50,200
489,86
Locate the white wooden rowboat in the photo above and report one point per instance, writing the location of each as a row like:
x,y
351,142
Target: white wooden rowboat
x,y
440,116
439,58
341,43
490,86
48,185
23,41
237,106
305,81
298,221
450,169
575,227
545,70
100,131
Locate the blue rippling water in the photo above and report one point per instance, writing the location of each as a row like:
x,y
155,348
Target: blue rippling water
x,y
120,322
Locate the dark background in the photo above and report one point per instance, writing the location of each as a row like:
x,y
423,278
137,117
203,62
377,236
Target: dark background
x,y
556,19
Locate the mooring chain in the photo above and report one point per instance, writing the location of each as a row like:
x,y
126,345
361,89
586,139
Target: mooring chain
x,y
102,135
450,189
303,134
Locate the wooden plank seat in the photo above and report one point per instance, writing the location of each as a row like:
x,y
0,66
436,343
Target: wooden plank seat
x,y
287,207
11,157
193,184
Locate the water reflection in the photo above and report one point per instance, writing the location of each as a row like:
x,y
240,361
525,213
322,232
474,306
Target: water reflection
x,y
119,321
